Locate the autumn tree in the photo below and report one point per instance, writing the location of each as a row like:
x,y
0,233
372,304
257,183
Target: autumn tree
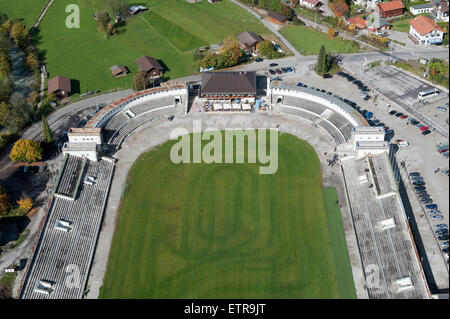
x,y
267,49
5,114
25,204
4,201
6,27
117,7
32,61
18,33
331,32
26,151
103,20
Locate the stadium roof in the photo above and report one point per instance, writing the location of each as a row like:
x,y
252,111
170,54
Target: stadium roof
x,y
229,83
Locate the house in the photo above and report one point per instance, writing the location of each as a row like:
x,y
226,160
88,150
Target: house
x,y
309,3
391,9
426,31
358,22
440,11
421,8
276,18
228,86
249,40
60,87
150,66
376,24
137,9
119,70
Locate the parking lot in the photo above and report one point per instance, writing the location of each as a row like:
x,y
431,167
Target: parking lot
x,y
420,155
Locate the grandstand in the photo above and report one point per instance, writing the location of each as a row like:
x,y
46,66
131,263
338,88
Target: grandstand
x,y
386,247
67,242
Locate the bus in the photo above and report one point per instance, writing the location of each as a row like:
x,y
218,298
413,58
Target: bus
x,y
428,93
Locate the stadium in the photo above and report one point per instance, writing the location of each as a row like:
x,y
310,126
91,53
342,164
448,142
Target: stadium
x,y
329,223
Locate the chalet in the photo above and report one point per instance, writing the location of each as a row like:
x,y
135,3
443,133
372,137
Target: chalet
x,y
312,4
376,24
229,86
150,66
391,9
249,40
276,18
60,87
358,22
426,31
440,11
118,70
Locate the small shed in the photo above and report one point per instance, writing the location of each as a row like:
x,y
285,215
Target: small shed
x,y
119,70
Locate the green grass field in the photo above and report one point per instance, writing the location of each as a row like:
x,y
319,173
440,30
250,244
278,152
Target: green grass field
x,y
170,31
308,41
26,10
225,231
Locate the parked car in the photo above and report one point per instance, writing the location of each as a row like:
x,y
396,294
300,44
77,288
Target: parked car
x,y
404,116
424,128
289,69
414,174
445,250
258,60
392,112
273,64
418,183
443,237
432,206
434,212
278,71
426,132
272,72
440,108
441,232
426,201
444,244
398,114
440,226
284,70
437,217
416,178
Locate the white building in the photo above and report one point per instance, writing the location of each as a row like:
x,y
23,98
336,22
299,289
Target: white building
x,y
309,3
369,140
83,142
440,11
424,30
421,8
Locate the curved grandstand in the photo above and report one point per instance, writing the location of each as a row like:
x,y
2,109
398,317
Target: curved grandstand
x,y
379,222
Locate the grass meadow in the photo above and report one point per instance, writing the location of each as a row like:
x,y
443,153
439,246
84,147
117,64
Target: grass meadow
x,y
170,31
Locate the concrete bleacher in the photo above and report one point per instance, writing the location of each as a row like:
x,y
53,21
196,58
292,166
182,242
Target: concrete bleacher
x,y
125,130
70,175
152,104
58,251
304,104
389,251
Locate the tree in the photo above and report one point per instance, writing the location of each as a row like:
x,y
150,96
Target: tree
x,y
32,61
117,7
5,114
6,87
3,18
47,135
26,151
18,33
267,49
103,20
4,201
140,81
5,65
6,27
321,66
25,204
331,32
33,98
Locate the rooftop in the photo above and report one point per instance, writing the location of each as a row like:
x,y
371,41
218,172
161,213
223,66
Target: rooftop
x,y
59,83
249,38
277,16
146,63
391,5
229,83
424,25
